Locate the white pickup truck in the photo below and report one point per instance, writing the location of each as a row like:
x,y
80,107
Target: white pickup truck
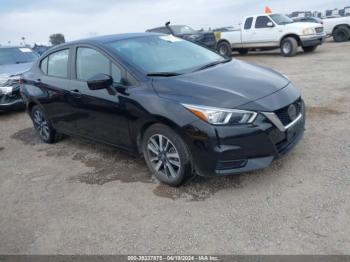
x,y
338,27
271,31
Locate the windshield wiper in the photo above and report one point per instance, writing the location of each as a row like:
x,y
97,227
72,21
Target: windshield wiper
x,y
213,64
163,74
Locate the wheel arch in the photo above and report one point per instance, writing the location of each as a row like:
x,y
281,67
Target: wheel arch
x,y
223,40
291,35
340,25
157,119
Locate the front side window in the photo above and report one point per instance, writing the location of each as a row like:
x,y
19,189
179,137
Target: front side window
x,y
248,23
164,54
90,63
58,64
261,22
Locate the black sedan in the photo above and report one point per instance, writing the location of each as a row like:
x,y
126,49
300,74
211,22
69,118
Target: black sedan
x,y
203,38
186,109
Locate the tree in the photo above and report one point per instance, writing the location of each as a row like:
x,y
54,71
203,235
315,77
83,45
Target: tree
x,y
56,39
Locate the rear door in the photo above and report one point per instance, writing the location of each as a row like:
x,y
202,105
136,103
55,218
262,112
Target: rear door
x,y
53,91
101,113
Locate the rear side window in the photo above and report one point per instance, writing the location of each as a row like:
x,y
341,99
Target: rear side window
x,y
90,63
261,22
43,65
58,64
248,23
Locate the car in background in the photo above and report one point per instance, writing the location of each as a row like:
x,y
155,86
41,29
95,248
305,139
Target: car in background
x,y
203,38
40,49
271,31
185,108
308,20
338,27
224,29
13,62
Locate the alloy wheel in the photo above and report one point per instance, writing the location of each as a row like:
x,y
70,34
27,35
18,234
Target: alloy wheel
x,y
287,47
163,156
41,125
223,50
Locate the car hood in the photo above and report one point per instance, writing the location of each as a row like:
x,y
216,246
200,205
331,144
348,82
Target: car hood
x,y
302,25
14,69
226,85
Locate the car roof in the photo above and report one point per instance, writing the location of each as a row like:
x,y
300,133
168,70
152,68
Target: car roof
x,y
108,38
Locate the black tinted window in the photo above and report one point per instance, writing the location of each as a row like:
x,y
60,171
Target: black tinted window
x,y
90,63
58,64
248,23
43,65
261,22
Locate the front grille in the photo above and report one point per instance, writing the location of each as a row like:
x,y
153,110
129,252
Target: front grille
x,y
319,30
230,164
283,112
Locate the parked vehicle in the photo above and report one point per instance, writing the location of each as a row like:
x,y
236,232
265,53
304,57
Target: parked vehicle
x,y
271,31
224,29
309,19
339,28
184,107
13,62
203,38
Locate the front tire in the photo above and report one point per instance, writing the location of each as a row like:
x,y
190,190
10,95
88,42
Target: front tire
x,y
341,34
166,155
224,49
308,49
289,47
42,125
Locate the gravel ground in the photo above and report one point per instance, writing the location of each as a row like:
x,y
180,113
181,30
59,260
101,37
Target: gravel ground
x,y
77,197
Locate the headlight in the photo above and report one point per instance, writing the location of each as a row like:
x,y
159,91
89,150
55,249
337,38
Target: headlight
x,y
221,116
308,31
4,90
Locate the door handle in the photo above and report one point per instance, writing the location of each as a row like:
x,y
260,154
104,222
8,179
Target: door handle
x,y
75,93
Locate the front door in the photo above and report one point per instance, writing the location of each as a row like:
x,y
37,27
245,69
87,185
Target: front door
x,y
263,33
102,115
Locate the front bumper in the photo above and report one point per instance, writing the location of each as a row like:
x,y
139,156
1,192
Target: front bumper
x,y
226,150
312,40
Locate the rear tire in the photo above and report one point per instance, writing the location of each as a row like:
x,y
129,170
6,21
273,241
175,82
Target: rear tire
x,y
224,48
341,34
308,49
289,47
166,154
243,51
42,125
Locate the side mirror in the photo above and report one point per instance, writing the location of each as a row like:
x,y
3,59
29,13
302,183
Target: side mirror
x,y
100,81
270,24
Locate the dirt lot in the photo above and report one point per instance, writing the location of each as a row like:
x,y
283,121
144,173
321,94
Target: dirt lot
x,y
76,197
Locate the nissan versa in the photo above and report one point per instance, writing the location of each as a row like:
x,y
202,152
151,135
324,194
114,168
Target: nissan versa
x,y
187,109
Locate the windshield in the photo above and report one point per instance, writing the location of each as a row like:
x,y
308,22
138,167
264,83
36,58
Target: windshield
x,y
281,19
164,54
16,55
182,29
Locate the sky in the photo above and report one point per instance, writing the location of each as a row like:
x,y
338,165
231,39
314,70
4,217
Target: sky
x,y
37,19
